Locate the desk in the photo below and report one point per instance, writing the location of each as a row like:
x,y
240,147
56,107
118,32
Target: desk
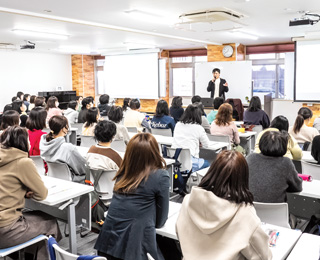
x,y
308,247
63,202
248,141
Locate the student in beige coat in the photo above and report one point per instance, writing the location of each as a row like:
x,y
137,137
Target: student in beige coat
x,y
217,220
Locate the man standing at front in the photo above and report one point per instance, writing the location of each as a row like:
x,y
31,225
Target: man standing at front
x,y
217,86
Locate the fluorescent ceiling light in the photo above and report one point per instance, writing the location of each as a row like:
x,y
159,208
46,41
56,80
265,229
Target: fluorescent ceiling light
x,y
39,34
75,49
244,35
149,17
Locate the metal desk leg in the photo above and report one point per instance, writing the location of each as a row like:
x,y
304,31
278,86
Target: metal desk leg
x,y
170,170
72,229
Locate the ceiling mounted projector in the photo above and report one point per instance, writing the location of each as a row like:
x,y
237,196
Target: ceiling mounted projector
x,y
305,20
28,45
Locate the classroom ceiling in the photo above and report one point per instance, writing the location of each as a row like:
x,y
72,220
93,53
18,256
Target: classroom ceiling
x,y
99,26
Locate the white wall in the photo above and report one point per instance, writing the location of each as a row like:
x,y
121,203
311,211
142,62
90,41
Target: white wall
x,y
289,75
286,108
31,72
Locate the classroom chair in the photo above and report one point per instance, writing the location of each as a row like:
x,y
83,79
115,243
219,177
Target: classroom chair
x,y
164,132
273,213
57,253
78,126
312,169
257,129
119,145
132,129
38,161
87,141
220,138
59,170
7,251
208,154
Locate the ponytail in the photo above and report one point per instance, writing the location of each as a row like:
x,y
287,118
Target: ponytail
x,y
298,124
56,123
49,137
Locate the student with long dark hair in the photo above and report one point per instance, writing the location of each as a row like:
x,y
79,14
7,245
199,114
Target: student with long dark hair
x,y
20,95
92,118
125,106
281,123
162,120
19,179
189,134
115,114
20,107
9,118
53,108
134,118
176,109
315,149
86,103
271,174
254,115
139,204
35,123
54,148
218,220
301,131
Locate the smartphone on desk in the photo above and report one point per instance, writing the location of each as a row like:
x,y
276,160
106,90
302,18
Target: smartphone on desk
x,y
273,236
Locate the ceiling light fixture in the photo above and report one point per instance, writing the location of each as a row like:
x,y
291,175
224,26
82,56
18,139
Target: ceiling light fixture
x,y
41,34
149,17
244,35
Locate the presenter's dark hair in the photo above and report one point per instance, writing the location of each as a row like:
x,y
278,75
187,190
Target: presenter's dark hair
x,y
9,118
304,113
51,102
274,143
86,101
40,102
176,102
126,102
91,116
135,104
216,70
162,108
37,119
16,105
192,115
115,114
315,148
56,124
255,104
33,99
19,94
281,123
217,102
72,104
15,137
105,131
228,178
104,99
195,99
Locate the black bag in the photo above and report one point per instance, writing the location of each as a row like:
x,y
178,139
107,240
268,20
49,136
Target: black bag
x,y
313,226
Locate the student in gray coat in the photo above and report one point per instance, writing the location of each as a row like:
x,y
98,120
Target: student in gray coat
x,y
271,175
139,204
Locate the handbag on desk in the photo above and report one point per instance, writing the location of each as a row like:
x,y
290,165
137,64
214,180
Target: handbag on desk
x,y
247,127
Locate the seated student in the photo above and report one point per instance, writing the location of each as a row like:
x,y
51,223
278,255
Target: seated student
x,y
72,112
32,102
223,124
301,131
235,114
20,95
217,102
101,155
315,149
53,108
19,179
189,133
162,120
272,175
79,101
9,118
20,107
134,118
40,102
125,106
218,220
35,123
115,114
26,101
54,148
254,115
139,204
281,123
176,109
197,99
85,105
205,124
104,106
92,118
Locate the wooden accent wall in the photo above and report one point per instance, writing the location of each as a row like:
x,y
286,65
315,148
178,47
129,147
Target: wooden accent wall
x,y
83,75
315,110
214,52
149,105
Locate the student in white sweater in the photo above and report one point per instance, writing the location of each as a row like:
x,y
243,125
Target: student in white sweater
x,y
190,134
301,131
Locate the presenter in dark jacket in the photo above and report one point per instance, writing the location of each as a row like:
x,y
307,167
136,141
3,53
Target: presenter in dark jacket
x,y
217,86
139,204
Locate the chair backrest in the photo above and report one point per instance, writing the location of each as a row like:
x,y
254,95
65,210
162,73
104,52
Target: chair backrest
x,y
87,141
164,132
257,129
273,213
220,138
184,158
103,183
119,145
59,170
38,161
78,126
312,169
132,129
208,154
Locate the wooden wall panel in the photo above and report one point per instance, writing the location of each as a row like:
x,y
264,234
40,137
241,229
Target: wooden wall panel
x,y
315,110
83,76
215,52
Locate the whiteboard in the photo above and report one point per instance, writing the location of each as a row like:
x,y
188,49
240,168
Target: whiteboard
x,y
238,74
